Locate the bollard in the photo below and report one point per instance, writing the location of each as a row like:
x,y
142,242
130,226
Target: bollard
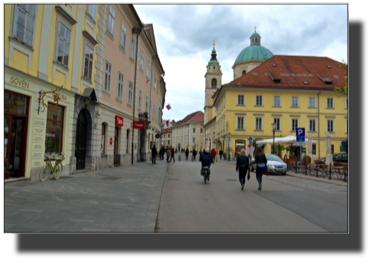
x,y
330,172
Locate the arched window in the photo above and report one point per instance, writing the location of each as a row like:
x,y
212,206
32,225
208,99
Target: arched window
x,y
255,40
243,72
213,83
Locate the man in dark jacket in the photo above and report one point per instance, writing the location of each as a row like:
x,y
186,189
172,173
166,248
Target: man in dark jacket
x,y
172,154
154,154
221,154
206,159
187,154
194,153
242,164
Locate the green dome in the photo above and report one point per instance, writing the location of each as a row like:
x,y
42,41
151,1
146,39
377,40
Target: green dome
x,y
254,52
255,34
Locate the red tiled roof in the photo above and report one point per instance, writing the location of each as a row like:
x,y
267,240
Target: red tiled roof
x,y
193,117
167,129
291,72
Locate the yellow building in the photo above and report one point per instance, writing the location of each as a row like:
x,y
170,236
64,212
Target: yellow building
x,y
290,91
61,94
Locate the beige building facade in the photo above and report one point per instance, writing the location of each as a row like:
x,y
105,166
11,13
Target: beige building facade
x,y
188,133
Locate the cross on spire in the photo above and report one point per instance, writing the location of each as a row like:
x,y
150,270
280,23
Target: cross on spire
x,y
255,28
214,42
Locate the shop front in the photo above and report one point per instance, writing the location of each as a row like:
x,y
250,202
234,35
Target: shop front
x,y
36,123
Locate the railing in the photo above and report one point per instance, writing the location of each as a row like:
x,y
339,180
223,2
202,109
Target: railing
x,y
339,171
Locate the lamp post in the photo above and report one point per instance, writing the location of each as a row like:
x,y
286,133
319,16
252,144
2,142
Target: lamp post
x,y
274,130
228,149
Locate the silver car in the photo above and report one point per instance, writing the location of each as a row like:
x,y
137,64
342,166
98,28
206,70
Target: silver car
x,y
275,164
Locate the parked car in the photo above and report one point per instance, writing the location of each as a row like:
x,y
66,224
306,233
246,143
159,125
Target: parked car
x,y
275,164
342,157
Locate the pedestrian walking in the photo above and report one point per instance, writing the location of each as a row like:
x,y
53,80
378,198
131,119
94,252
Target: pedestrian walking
x,y
242,166
154,154
167,155
187,154
194,154
261,162
172,155
213,154
221,153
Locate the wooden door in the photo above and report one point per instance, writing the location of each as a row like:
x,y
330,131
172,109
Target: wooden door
x,y
80,146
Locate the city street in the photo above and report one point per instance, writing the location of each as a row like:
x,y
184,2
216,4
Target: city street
x,y
173,198
286,204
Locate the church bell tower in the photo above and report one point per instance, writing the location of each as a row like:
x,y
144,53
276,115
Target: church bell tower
x,y
213,82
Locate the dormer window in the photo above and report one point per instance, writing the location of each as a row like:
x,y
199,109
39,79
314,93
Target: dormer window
x,y
256,40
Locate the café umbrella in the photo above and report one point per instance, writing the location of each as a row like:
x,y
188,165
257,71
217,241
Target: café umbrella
x,y
329,159
289,140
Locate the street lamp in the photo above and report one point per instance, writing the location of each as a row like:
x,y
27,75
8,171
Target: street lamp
x,y
228,149
274,130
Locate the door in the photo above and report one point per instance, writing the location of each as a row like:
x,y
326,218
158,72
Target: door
x,y
80,146
7,143
115,150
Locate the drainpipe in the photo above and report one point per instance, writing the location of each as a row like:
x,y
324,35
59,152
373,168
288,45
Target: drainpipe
x,y
137,31
319,130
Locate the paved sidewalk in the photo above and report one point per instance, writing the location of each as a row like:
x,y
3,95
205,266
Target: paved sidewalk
x,y
121,199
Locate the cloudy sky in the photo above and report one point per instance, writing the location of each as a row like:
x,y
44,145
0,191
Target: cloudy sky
x,y
185,34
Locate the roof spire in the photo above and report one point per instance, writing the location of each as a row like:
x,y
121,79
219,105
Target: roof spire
x,y
214,42
255,28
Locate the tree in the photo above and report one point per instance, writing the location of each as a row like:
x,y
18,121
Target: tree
x,y
345,81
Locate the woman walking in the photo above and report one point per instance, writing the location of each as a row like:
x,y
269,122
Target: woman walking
x,y
187,154
261,162
242,164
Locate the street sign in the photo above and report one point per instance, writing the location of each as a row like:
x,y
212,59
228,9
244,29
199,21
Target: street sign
x,y
250,139
228,140
300,135
157,135
139,124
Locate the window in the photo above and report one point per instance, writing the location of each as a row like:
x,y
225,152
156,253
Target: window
x,y
111,20
312,102
277,101
123,35
332,149
142,61
259,123
155,81
201,131
311,125
88,59
330,102
140,99
213,83
168,135
243,72
240,123
146,104
314,149
102,140
132,48
130,92
294,125
295,101
91,9
63,45
168,141
255,40
107,77
24,23
330,126
346,103
193,140
193,130
240,100
259,100
54,129
120,86
147,69
278,123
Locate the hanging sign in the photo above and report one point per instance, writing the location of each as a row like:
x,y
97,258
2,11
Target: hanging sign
x,y
118,120
110,141
139,124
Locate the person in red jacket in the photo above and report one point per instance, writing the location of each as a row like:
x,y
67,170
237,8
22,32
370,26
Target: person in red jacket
x,y
213,154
